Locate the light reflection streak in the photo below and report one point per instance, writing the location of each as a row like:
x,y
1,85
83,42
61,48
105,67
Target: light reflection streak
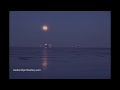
x,y
44,59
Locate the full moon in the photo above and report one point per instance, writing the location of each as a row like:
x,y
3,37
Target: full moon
x,y
45,28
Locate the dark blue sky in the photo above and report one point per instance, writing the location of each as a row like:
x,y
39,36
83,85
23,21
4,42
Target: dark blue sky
x,y
65,28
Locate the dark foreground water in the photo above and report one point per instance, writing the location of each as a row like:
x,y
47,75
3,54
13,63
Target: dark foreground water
x,y
60,63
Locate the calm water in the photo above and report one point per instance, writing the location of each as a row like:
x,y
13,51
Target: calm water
x,y
60,63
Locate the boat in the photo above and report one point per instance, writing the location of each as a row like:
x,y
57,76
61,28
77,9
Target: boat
x,y
39,45
48,45
78,46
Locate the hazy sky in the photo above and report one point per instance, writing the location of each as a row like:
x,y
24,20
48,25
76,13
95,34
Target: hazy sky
x,y
65,28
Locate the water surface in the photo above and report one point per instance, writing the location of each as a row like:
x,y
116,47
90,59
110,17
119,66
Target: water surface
x,y
60,63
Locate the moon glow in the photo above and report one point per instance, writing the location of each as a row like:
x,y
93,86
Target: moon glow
x,y
45,28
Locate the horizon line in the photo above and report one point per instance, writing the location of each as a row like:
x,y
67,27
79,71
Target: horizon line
x,y
60,46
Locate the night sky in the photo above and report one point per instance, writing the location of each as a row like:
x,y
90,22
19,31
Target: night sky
x,y
65,28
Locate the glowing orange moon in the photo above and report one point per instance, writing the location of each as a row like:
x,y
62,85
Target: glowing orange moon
x,y
45,28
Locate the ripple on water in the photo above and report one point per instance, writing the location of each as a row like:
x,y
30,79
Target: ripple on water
x,y
24,58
